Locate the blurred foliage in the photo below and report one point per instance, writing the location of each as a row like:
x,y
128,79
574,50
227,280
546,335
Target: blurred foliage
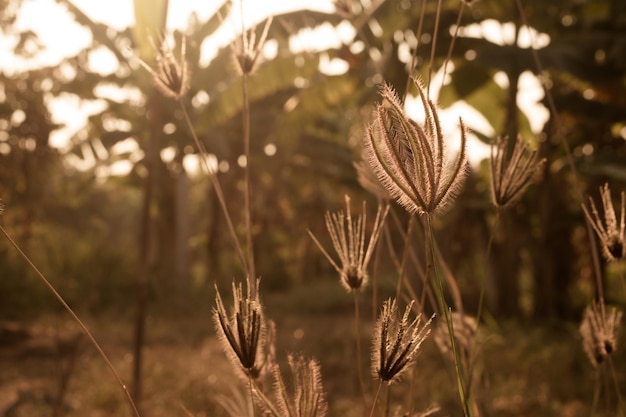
x,y
82,225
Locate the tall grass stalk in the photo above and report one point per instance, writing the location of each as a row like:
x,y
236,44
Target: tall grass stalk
x,y
445,309
83,327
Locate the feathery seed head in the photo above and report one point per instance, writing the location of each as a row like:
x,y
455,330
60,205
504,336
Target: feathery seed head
x,y
396,341
348,237
409,159
465,328
610,234
171,75
246,49
598,330
306,398
243,333
512,171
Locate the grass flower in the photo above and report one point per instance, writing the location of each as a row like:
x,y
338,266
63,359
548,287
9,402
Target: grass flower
x,y
306,398
247,49
396,342
611,236
349,242
465,328
598,330
511,172
410,160
243,334
171,74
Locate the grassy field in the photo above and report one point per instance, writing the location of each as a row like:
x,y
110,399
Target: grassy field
x,y
522,370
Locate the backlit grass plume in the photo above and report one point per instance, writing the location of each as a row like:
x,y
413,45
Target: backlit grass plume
x,y
305,398
171,74
511,172
611,234
242,333
409,159
598,330
348,236
396,341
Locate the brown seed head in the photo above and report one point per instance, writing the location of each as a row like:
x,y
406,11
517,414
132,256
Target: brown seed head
x,y
348,237
247,49
465,328
243,333
396,341
512,171
306,398
171,74
611,234
409,159
598,330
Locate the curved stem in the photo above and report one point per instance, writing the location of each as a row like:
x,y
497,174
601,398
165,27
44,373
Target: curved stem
x,y
456,34
78,321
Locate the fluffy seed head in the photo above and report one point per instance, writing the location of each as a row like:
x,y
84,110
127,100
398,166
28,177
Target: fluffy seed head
x,y
598,330
396,341
512,171
610,234
348,237
409,159
465,328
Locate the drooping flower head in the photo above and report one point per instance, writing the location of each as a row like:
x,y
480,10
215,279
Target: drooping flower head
x,y
409,159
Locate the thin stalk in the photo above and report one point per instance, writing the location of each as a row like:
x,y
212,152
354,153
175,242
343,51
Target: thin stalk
x,y
449,56
217,187
418,35
620,400
433,48
251,402
380,384
357,332
596,394
78,321
443,306
248,208
387,399
405,254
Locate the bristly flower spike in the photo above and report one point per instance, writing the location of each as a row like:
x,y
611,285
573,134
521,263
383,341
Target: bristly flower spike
x,y
171,75
598,330
396,342
247,49
512,173
348,237
610,234
243,333
410,160
306,398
